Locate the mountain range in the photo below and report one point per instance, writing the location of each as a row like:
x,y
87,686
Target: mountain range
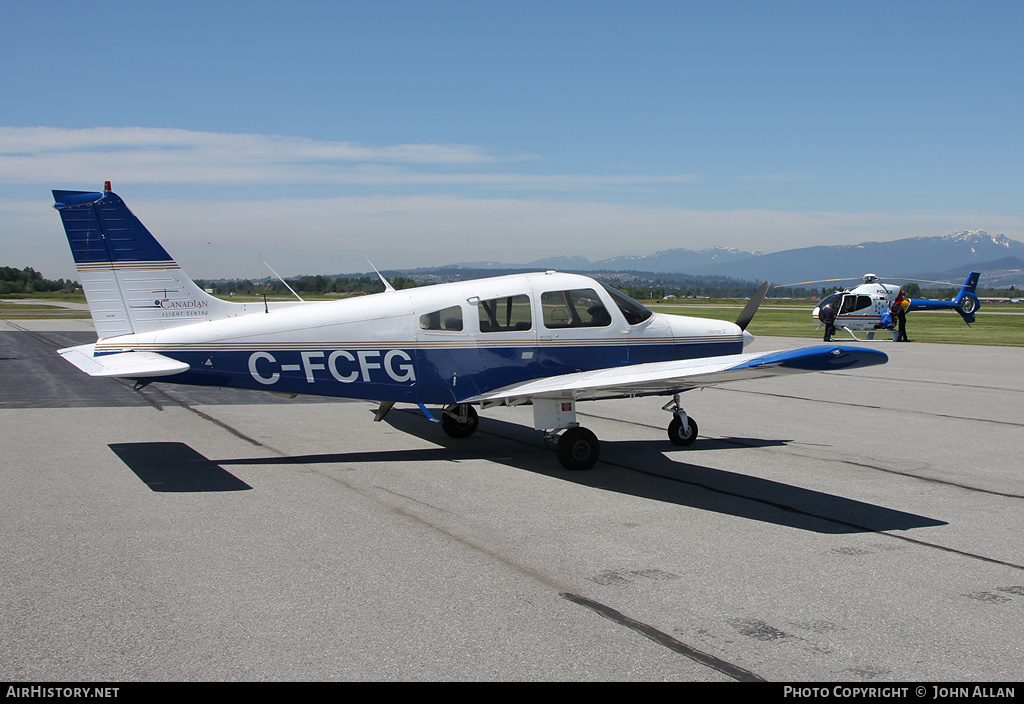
x,y
947,258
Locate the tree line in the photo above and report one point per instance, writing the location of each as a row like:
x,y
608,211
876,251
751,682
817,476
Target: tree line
x,y
316,285
28,280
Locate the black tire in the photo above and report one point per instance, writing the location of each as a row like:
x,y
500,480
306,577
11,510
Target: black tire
x,y
680,436
456,428
578,448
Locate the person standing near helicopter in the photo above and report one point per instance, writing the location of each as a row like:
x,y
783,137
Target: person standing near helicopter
x,y
827,316
901,318
899,314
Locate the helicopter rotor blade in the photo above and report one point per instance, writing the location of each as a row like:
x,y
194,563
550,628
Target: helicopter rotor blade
x,y
924,281
819,281
752,305
876,278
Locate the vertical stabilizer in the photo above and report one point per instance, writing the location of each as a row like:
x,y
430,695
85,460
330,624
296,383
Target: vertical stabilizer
x,y
131,283
967,303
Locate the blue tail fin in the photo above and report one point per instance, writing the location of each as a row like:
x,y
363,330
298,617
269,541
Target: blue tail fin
x,y
967,303
130,281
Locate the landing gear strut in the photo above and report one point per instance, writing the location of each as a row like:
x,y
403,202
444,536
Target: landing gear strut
x,y
577,448
682,430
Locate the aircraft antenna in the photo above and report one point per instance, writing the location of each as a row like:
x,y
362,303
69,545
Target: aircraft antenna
x,y
284,282
387,286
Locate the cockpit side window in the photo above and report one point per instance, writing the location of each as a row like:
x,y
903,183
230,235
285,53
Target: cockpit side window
x,y
505,314
631,310
449,319
852,303
576,308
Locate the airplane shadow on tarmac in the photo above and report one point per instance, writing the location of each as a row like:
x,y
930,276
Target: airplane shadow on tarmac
x,y
175,467
639,468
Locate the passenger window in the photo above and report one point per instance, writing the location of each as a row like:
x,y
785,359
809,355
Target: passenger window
x,y
577,308
505,314
447,319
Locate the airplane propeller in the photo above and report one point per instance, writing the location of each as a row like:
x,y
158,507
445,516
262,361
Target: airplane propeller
x,y
747,314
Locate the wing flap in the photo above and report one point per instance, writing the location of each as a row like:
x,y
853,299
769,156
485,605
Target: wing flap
x,y
132,365
680,375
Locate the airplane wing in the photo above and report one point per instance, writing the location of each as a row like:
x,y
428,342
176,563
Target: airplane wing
x,y
122,364
681,375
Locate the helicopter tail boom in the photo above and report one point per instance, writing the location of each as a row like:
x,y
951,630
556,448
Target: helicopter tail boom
x,y
965,303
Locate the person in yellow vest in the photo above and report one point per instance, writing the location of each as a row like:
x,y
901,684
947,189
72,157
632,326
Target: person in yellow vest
x,y
901,319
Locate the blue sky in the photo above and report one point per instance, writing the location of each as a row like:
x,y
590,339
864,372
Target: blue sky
x,y
315,135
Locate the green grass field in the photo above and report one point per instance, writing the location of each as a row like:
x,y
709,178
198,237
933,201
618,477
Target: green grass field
x,y
26,311
996,324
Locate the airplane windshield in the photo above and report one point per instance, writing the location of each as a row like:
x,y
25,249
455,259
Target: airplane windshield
x,y
633,311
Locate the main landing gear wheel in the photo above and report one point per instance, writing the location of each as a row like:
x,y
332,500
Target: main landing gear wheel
x,y
459,421
578,448
680,435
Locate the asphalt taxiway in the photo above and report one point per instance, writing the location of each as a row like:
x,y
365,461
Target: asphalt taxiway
x,y
856,527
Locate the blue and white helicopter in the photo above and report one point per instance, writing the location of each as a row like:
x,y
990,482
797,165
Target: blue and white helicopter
x,y
547,339
873,305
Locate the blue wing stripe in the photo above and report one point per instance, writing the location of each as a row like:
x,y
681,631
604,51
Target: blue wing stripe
x,y
818,359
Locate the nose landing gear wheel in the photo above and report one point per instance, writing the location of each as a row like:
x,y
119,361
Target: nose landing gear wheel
x,y
578,448
680,435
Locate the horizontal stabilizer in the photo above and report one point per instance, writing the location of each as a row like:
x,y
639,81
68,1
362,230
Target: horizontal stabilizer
x,y
132,365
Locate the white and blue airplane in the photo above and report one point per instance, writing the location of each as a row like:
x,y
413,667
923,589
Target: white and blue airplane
x,y
548,339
